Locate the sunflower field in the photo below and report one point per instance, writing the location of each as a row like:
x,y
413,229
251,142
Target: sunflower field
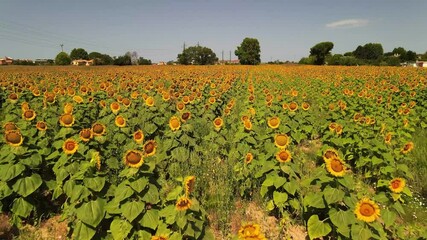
x,y
165,152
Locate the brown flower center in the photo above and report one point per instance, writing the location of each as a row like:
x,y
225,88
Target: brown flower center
x,y
85,133
70,145
218,122
98,128
149,147
185,116
274,121
10,126
395,184
13,137
13,96
28,114
67,119
41,125
133,157
330,154
336,165
283,155
138,136
174,123
367,209
281,140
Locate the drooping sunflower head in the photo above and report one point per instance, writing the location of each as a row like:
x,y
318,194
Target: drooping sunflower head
x,y
13,97
335,167
283,156
29,114
387,138
126,102
25,106
273,122
338,129
397,184
86,134
185,116
332,126
133,158
70,146
150,148
102,103
189,184
66,120
174,123
281,140
367,210
10,126
98,129
249,157
330,154
13,138
115,107
183,203
149,101
407,147
138,136
218,122
68,108
78,99
248,125
120,121
41,126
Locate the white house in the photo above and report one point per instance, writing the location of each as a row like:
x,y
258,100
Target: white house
x,y
421,63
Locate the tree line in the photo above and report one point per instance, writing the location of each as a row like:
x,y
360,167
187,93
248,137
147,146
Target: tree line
x,y
129,58
368,54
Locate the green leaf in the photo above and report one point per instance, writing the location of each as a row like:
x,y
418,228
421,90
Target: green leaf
x,y
132,210
96,183
4,190
291,187
120,229
92,212
83,231
21,207
32,161
279,198
26,186
150,219
279,181
139,184
174,194
10,171
340,218
151,195
122,193
359,232
169,213
388,217
314,200
333,195
317,228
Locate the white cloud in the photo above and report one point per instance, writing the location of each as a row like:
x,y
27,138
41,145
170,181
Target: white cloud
x,y
348,23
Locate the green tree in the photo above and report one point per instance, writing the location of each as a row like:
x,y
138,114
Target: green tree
x,y
79,53
370,51
101,59
320,51
143,61
123,60
411,56
197,55
62,59
249,52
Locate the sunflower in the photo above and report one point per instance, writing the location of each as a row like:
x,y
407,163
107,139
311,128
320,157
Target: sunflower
x,y
249,157
78,99
126,102
133,158
66,120
407,148
102,103
96,158
134,95
183,203
68,108
13,138
281,140
189,184
405,122
185,116
330,154
293,106
247,124
251,231
120,121
174,123
115,107
387,138
25,106
397,184
159,237
50,97
252,111
285,106
29,114
335,167
332,126
180,106
70,146
338,129
305,106
150,148
42,126
10,126
367,210
166,96
86,134
283,156
138,136
218,122
13,97
149,101
36,92
227,111
186,99
98,129
273,122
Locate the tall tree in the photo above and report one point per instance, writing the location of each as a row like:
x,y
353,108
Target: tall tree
x,y
62,59
370,51
101,59
197,55
411,56
143,61
249,52
320,51
79,53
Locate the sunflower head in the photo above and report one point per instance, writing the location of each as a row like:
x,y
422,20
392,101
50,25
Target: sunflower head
x,y
98,129
180,106
185,116
70,146
13,138
218,122
387,138
335,167
248,125
150,148
10,126
283,156
138,136
149,101
189,184
407,147
273,122
25,106
293,106
133,158
126,102
120,121
305,106
41,126
174,123
397,184
251,231
367,210
29,114
281,140
183,203
249,157
78,99
66,120
13,97
68,108
330,154
115,107
86,134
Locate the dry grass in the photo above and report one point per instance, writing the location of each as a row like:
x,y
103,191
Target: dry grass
x,y
51,229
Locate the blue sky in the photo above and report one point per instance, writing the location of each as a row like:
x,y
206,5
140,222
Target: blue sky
x,y
157,29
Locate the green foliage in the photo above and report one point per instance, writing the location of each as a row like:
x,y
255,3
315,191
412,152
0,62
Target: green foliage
x,y
143,61
249,52
100,59
62,59
197,55
320,51
122,60
369,51
79,53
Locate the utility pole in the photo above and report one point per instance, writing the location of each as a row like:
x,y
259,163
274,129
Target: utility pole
x,y
62,47
230,56
223,56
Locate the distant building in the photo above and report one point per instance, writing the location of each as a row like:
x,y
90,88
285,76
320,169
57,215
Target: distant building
x,y
44,61
234,61
161,63
421,63
82,62
6,61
